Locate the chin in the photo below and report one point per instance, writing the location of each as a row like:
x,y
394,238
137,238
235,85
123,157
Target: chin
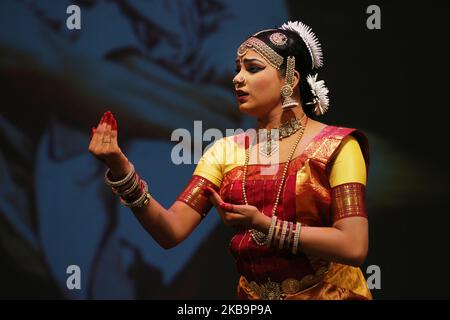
x,y
252,110
247,109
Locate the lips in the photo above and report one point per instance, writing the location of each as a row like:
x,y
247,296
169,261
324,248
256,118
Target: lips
x,y
241,93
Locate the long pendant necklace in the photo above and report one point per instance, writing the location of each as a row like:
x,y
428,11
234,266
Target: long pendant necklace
x,y
259,237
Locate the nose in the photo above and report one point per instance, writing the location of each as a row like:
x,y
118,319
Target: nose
x,y
238,79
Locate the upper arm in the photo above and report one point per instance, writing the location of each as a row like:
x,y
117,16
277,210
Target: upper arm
x,y
193,203
349,164
185,218
347,179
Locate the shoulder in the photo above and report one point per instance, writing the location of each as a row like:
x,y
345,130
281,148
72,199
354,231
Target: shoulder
x,y
339,132
349,139
226,149
331,138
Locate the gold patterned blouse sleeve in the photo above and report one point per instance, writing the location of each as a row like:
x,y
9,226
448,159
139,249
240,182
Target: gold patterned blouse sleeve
x,y
348,200
195,197
207,173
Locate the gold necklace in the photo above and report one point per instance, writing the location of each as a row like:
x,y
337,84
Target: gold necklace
x,y
285,130
259,237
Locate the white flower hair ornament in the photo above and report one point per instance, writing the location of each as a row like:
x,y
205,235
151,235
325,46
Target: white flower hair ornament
x,y
320,95
309,38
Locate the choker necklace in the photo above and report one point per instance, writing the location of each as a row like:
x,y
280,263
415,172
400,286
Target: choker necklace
x,y
259,237
285,130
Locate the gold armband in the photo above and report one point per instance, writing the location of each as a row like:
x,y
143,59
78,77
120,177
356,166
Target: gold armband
x,y
348,200
195,197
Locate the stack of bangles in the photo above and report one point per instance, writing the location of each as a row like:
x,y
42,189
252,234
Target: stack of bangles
x,y
132,190
284,235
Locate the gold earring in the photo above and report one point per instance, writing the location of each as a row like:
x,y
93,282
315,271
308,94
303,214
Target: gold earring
x,y
287,90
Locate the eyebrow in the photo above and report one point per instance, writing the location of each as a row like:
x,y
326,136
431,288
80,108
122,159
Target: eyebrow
x,y
250,60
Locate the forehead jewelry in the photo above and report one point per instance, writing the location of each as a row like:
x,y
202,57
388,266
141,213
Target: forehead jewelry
x,y
272,58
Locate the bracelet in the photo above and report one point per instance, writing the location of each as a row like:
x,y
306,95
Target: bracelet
x,y
133,191
296,238
143,199
116,184
126,186
276,235
283,234
289,235
136,193
271,230
141,202
130,190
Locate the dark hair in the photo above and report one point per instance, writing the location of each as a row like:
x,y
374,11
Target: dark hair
x,y
303,62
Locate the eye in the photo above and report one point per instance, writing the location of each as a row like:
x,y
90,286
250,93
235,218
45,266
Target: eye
x,y
254,69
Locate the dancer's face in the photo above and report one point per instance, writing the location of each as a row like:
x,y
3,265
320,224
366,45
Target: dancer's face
x,y
259,82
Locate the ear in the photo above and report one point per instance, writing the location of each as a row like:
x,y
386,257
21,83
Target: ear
x,y
296,78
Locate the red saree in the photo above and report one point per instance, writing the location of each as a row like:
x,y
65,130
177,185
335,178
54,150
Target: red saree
x,y
306,199
267,273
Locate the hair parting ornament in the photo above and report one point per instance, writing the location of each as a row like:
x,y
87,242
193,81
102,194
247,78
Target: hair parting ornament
x,y
278,39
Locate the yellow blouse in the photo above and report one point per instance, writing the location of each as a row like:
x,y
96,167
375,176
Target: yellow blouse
x,y
226,154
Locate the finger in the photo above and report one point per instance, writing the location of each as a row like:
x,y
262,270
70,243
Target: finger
x,y
97,133
92,133
215,200
100,132
218,201
113,135
213,196
105,137
102,120
231,216
233,219
114,123
107,133
236,208
96,138
114,132
227,207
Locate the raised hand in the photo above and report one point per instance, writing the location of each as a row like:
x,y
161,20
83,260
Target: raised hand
x,y
104,146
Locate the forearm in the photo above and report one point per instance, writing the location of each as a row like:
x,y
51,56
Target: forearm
x,y
332,244
159,223
155,219
345,243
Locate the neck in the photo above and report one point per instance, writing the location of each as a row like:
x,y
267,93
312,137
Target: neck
x,y
277,116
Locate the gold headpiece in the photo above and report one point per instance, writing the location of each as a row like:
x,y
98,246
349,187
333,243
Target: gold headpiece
x,y
273,58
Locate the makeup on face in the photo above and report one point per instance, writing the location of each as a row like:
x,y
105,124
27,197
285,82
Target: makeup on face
x,y
252,65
